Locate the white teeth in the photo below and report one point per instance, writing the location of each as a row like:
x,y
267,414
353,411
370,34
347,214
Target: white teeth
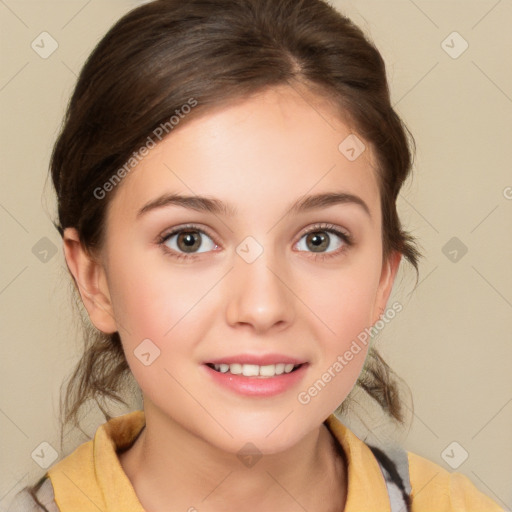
x,y
253,370
250,370
268,370
235,368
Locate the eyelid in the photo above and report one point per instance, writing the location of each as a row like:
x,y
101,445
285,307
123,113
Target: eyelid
x,y
184,227
326,226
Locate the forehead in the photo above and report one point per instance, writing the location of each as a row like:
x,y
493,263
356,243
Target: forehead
x,y
265,150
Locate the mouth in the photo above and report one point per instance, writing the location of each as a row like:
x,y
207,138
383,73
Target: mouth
x,y
257,375
254,370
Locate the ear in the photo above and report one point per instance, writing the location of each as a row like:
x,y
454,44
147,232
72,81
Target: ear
x,y
90,279
387,278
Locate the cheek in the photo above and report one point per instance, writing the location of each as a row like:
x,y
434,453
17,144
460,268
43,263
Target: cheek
x,y
158,314
151,300
345,301
350,306
170,308
344,305
343,339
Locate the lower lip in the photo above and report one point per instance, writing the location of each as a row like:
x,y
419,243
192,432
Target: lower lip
x,y
258,386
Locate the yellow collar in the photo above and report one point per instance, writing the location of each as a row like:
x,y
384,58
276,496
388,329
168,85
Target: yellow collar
x,y
91,478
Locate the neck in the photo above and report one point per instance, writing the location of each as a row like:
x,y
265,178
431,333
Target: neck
x,y
170,465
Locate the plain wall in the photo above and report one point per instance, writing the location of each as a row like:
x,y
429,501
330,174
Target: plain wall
x,y
452,341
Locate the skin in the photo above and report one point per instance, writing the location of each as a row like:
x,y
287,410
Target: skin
x,y
259,154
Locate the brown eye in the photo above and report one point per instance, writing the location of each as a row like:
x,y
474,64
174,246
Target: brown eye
x,y
320,240
188,241
185,241
325,241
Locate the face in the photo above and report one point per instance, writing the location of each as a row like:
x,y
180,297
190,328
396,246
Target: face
x,y
255,273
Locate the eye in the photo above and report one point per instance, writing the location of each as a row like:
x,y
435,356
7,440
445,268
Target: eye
x,y
319,238
185,242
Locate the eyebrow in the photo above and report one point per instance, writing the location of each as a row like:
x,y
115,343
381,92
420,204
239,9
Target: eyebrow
x,y
217,207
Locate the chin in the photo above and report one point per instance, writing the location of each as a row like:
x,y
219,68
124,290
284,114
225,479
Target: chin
x,y
269,434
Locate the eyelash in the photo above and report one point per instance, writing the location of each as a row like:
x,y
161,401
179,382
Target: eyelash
x,y
328,228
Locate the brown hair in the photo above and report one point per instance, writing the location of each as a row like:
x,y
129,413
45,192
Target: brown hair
x,y
159,56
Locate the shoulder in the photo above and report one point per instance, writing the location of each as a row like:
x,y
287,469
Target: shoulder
x,y
435,488
25,502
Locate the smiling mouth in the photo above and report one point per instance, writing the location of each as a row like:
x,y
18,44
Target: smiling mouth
x,y
254,370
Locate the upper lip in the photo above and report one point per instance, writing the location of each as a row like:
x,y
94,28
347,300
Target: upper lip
x,y
260,360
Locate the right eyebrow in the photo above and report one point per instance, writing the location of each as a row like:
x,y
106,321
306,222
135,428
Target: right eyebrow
x,y
198,203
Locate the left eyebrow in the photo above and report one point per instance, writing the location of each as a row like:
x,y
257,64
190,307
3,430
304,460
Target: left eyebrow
x,y
215,206
328,199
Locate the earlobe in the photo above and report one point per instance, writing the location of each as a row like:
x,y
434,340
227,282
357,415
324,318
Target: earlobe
x,y
90,279
387,278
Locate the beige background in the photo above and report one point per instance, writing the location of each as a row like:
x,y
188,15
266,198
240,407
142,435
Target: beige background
x,y
451,343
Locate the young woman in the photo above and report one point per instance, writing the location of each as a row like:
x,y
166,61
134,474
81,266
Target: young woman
x,y
227,177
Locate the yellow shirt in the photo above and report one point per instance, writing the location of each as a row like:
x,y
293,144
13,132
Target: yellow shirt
x,y
91,478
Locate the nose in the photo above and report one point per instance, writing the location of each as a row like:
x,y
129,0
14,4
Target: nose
x,y
259,294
